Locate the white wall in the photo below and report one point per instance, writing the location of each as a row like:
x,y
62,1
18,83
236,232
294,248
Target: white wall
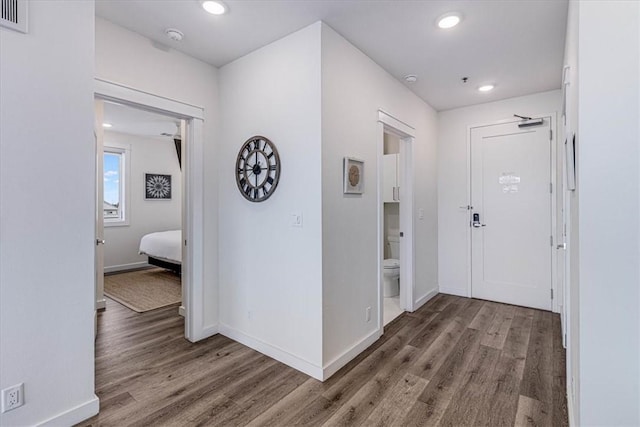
x,y
608,202
130,59
572,307
453,178
47,214
271,272
146,155
353,89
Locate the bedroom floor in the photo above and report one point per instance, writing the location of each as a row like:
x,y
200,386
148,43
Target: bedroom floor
x,y
455,361
144,290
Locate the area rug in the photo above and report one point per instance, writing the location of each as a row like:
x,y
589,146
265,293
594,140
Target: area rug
x,y
144,290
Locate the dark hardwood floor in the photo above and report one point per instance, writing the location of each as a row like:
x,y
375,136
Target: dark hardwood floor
x,y
454,362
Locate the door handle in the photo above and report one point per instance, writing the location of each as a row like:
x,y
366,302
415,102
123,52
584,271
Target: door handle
x,y
476,221
562,246
100,242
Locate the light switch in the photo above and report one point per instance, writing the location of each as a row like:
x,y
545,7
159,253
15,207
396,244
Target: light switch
x,y
296,219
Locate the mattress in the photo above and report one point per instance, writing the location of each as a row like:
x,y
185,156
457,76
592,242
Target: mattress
x,y
165,245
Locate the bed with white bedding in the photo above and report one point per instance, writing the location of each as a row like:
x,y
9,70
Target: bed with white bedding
x,y
163,249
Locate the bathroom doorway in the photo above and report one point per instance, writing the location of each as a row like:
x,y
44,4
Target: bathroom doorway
x,y
396,252
391,228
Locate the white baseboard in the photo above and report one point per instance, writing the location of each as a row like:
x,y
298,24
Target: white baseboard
x,y
454,291
126,267
346,357
181,311
272,351
206,332
423,300
74,415
101,304
570,408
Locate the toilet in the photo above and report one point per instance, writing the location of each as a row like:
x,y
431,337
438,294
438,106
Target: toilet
x,y
391,271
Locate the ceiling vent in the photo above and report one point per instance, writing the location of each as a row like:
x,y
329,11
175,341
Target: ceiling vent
x,y
14,15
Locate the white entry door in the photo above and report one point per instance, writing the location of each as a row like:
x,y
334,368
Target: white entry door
x,y
511,214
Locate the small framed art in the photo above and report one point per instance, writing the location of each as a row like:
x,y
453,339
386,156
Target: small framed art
x,y
157,186
353,174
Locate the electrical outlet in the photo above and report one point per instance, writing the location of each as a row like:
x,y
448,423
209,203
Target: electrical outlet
x,y
367,314
12,397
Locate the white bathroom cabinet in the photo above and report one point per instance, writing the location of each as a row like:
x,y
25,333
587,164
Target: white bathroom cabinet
x,y
391,178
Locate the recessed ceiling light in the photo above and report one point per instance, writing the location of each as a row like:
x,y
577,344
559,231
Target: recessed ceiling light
x,y
411,78
107,125
486,88
173,34
449,20
214,7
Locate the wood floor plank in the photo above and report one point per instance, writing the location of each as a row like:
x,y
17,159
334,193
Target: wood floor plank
x,y
435,398
391,410
147,374
537,379
503,391
280,413
360,406
432,358
432,329
532,413
496,333
471,395
484,317
517,340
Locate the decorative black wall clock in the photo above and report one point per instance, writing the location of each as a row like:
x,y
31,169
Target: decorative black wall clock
x,y
257,169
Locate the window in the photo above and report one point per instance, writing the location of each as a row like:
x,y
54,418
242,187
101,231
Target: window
x,y
115,179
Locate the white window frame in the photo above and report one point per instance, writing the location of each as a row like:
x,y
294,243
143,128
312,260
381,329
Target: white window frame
x,y
125,168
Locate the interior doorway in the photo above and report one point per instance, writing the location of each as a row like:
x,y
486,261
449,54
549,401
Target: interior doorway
x,y
191,151
511,213
139,204
395,218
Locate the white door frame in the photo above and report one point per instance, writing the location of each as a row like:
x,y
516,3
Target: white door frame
x,y
552,213
406,133
193,196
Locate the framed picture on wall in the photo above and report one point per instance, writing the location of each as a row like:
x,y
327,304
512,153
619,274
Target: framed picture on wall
x,y
157,186
353,174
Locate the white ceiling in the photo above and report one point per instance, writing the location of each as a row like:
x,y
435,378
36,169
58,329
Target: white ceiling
x,y
516,44
133,121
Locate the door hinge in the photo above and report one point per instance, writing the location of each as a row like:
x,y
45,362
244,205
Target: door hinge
x,y
551,240
551,293
550,135
551,187
185,242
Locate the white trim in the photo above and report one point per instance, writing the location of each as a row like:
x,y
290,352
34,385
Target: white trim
x,y
570,407
340,361
101,304
552,147
461,292
74,415
272,351
193,196
205,332
181,311
116,92
193,226
424,299
126,267
404,129
381,243
407,226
